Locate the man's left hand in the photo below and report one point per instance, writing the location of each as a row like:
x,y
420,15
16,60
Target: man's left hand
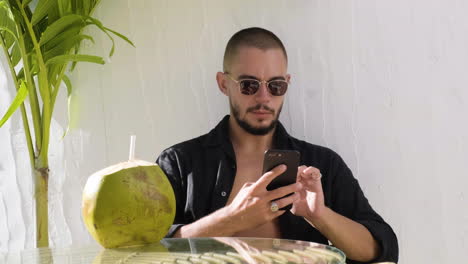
x,y
311,202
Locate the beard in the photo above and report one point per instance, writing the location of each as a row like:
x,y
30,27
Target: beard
x,y
258,131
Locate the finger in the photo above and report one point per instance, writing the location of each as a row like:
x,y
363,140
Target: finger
x,y
310,182
300,169
247,184
310,170
287,200
285,190
270,175
302,193
311,173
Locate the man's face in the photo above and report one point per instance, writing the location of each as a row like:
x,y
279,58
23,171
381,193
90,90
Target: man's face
x,y
257,114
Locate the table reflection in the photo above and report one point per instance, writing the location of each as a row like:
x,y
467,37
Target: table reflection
x,y
217,250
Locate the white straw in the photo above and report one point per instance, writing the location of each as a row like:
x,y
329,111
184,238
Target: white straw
x,y
131,156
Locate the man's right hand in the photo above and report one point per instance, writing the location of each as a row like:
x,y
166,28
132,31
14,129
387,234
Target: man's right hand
x,y
250,208
252,205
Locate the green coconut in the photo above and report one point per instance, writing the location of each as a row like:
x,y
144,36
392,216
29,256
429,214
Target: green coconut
x,y
128,204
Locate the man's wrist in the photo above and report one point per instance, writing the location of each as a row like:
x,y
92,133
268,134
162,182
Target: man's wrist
x,y
217,224
226,220
319,219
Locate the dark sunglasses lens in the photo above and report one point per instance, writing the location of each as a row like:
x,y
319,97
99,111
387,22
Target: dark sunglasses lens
x,y
278,88
249,87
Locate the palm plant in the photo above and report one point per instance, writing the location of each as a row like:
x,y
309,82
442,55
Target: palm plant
x,y
41,40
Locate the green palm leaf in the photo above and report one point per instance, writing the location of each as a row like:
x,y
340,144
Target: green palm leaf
x,y
43,8
68,84
120,36
8,28
66,45
19,98
68,22
63,59
64,7
15,55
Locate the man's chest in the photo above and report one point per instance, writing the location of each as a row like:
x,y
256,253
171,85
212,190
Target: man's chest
x,y
248,170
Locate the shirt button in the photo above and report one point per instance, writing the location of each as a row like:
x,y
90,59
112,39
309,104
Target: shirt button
x,y
223,193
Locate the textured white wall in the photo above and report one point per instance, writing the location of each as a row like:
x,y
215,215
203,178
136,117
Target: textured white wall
x,y
381,82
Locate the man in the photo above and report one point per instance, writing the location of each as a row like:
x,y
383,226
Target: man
x,y
218,182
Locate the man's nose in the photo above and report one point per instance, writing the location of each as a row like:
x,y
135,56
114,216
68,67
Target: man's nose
x,y
263,94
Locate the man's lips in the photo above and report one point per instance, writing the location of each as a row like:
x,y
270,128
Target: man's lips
x,y
262,112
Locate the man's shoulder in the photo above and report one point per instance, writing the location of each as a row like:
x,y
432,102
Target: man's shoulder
x,y
214,137
187,146
315,151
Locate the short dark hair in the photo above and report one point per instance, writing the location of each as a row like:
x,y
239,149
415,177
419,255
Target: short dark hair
x,y
251,37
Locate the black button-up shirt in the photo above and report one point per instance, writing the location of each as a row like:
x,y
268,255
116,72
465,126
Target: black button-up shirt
x,y
202,171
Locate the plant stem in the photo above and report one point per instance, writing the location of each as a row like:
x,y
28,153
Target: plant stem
x,y
33,100
41,175
24,115
44,88
56,88
41,169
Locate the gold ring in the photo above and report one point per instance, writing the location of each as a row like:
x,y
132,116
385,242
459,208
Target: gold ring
x,y
274,207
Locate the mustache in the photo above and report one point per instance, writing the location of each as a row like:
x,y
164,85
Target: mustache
x,y
260,106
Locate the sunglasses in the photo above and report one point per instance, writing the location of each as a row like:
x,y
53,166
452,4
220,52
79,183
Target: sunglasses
x,y
251,86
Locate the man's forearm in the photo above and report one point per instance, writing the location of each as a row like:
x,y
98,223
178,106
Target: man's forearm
x,y
217,224
351,237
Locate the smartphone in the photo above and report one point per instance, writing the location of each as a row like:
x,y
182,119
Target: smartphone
x,y
275,157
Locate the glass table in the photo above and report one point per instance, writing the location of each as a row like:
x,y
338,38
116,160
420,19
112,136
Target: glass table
x,y
217,250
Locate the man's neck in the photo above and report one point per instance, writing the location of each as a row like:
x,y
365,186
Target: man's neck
x,y
245,142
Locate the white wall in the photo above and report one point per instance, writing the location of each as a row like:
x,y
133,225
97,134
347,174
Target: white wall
x,y
383,83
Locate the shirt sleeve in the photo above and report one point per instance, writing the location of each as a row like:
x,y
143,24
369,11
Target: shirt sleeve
x,y
349,200
169,162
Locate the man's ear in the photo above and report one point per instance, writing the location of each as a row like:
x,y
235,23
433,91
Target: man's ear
x,y
288,78
221,80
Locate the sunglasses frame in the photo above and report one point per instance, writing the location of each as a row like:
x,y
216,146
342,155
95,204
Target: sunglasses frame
x,y
260,84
